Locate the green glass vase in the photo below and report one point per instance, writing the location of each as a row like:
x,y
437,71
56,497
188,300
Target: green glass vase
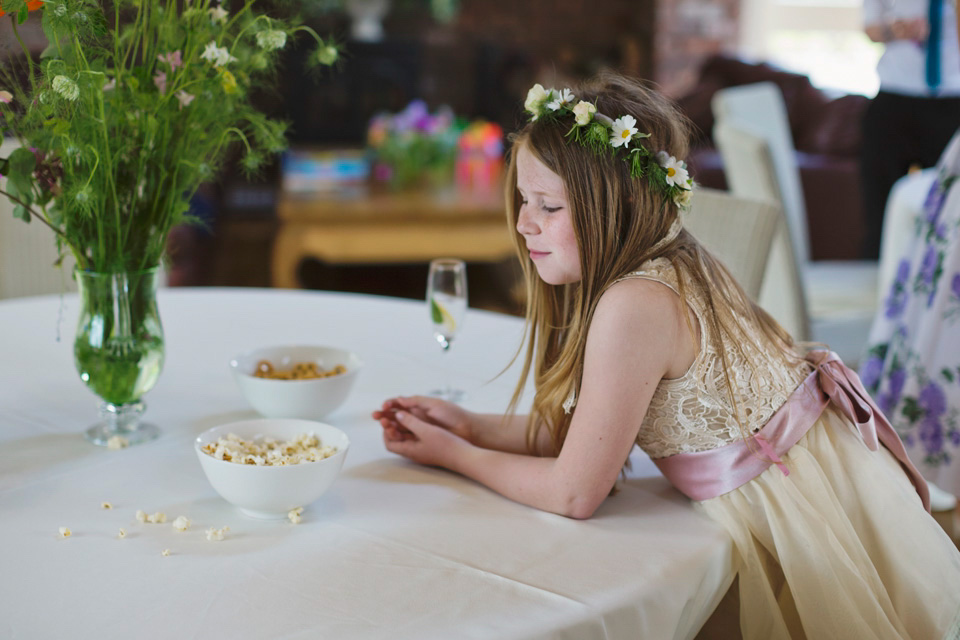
x,y
118,351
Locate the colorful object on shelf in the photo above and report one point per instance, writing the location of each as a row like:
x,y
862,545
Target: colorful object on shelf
x,y
414,145
480,156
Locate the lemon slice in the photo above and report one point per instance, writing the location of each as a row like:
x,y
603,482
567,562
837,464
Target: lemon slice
x,y
441,316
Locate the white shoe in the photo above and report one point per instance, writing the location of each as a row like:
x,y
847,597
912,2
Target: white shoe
x,y
941,500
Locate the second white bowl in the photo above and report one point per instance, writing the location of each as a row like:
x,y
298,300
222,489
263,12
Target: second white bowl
x,y
310,399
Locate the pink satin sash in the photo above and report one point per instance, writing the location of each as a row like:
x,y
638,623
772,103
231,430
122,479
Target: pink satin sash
x,y
707,474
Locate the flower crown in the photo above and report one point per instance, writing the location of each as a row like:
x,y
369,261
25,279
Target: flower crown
x,y
601,133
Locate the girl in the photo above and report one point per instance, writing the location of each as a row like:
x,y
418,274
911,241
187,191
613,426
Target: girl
x,y
637,335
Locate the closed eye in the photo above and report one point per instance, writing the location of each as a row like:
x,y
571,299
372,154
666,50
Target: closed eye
x,y
552,209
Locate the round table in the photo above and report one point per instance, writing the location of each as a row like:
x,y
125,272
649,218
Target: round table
x,y
393,550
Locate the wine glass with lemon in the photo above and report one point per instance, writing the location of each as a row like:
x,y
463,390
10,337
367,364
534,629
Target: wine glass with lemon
x,y
447,303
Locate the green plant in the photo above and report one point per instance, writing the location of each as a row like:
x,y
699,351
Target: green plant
x,y
131,107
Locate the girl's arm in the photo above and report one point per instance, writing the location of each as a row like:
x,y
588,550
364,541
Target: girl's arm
x,y
638,336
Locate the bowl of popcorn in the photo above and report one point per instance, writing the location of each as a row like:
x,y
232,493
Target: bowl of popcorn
x,y
271,467
296,381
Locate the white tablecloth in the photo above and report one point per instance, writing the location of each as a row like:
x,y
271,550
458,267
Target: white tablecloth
x,y
394,550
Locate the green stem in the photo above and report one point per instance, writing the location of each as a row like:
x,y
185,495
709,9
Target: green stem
x,y
16,33
39,216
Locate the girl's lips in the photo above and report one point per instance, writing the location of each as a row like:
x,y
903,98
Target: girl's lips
x,y
534,255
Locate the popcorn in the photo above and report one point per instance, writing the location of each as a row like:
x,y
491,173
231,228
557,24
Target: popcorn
x,y
165,553
295,515
106,505
122,534
158,518
216,535
141,516
117,442
262,452
65,532
182,523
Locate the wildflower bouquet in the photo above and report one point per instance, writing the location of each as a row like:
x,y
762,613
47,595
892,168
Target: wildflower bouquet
x,y
414,143
132,105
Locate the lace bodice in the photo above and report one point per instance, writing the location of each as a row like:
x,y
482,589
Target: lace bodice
x,y
692,412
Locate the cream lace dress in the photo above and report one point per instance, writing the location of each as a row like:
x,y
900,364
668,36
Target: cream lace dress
x,y
842,547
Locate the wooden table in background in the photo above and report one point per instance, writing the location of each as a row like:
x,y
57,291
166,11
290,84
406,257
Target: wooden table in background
x,y
388,227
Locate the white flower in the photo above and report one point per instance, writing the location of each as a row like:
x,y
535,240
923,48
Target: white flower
x,y
271,39
560,99
683,198
184,98
219,56
623,130
218,14
535,99
66,87
583,112
111,84
677,175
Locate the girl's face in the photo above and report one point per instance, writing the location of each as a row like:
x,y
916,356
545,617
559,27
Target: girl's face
x,y
544,221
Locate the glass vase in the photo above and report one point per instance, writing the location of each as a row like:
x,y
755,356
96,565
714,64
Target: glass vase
x,y
118,351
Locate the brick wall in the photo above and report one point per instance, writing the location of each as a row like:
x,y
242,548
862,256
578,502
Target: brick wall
x,y
688,32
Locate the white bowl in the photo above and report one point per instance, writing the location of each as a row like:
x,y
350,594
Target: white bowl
x,y
270,492
310,399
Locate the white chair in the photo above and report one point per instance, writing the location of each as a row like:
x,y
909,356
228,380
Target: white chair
x,y
28,252
737,231
837,300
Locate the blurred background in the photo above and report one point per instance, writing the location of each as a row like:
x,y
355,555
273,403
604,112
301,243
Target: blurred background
x,y
395,153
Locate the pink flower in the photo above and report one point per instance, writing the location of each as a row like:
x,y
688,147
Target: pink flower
x,y
6,97
161,81
172,59
184,98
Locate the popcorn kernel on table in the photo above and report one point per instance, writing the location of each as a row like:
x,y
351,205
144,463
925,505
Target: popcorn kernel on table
x,y
115,443
106,505
216,535
122,534
182,523
295,515
65,532
141,516
165,552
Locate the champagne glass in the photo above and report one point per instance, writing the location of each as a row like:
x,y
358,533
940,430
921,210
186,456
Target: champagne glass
x,y
447,304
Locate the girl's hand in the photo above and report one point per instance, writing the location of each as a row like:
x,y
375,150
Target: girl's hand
x,y
423,442
434,411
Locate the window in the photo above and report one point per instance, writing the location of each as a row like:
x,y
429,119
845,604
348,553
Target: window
x,y
822,39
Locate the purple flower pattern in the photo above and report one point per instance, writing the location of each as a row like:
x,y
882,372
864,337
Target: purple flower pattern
x,y
913,364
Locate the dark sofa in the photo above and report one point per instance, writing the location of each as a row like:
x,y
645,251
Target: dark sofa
x,y
826,134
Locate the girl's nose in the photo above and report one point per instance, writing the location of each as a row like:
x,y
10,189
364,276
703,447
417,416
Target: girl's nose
x,y
525,226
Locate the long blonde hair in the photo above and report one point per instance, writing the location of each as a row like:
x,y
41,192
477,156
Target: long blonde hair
x,y
617,220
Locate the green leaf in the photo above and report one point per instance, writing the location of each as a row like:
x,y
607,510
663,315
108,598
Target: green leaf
x,y
947,374
911,410
12,7
21,212
22,162
23,14
435,314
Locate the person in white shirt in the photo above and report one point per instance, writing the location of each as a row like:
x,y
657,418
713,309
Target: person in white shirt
x,y
917,109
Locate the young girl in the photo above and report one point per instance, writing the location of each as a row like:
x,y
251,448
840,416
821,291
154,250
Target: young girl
x,y
637,335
